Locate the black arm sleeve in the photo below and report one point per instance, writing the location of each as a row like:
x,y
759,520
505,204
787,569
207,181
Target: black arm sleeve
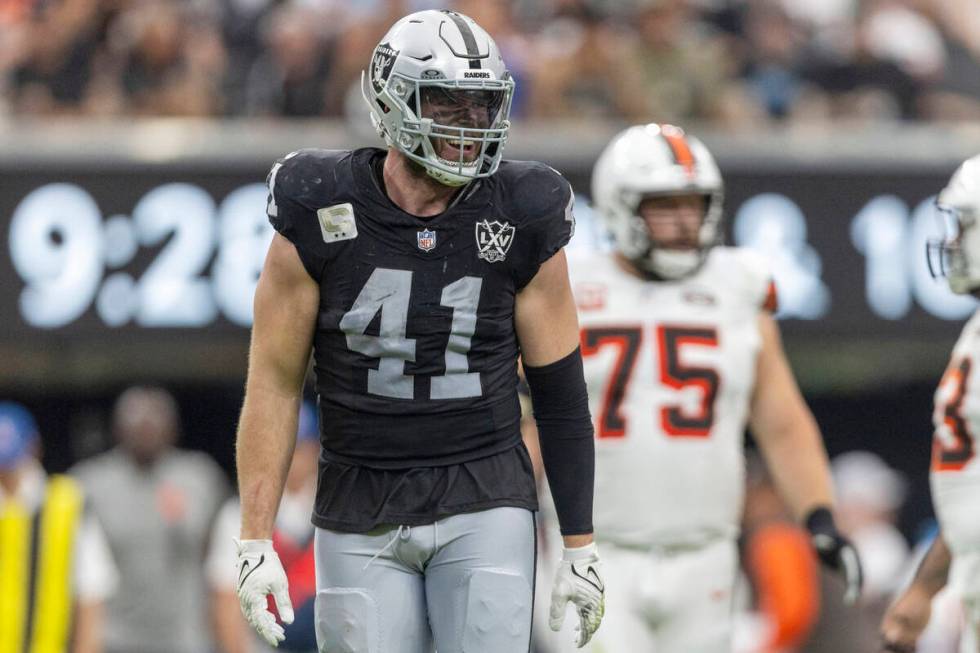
x,y
561,409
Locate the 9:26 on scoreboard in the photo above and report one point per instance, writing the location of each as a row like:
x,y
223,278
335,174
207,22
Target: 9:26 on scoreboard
x,y
197,259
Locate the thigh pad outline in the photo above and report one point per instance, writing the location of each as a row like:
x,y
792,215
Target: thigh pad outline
x,y
346,621
498,612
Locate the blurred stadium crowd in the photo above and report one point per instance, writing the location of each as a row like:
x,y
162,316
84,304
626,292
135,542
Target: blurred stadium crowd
x,y
728,62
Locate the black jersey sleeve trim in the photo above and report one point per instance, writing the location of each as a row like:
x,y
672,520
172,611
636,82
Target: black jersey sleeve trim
x,y
552,224
293,220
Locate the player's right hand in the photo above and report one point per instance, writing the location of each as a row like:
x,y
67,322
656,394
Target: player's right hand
x,y
259,574
836,552
579,581
905,620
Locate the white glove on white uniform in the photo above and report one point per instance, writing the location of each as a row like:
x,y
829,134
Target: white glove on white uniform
x,y
259,574
579,580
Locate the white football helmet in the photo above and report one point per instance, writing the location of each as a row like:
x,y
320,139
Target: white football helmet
x,y
441,58
957,255
656,160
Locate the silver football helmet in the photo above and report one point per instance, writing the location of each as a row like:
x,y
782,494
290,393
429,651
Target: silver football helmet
x,y
957,254
438,90
648,161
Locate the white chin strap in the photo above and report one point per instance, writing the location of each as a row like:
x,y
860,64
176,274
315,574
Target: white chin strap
x,y
673,264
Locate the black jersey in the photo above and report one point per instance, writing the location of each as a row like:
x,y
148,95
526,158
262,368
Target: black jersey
x,y
415,351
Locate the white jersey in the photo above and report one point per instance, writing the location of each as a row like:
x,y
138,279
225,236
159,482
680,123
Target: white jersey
x,y
955,473
670,368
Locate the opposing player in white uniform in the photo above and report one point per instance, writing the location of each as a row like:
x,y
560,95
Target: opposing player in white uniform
x,y
955,475
681,351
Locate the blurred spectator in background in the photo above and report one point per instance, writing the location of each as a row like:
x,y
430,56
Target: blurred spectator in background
x,y
956,94
173,60
781,566
156,504
52,69
869,494
55,567
356,40
774,53
290,78
735,63
864,79
293,540
684,63
586,68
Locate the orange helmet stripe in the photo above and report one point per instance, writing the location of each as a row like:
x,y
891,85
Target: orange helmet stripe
x,y
679,147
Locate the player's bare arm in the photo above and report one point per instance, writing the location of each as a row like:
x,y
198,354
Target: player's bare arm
x,y
908,616
545,317
785,428
286,301
790,442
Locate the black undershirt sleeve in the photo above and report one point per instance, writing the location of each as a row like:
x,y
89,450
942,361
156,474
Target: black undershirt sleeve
x,y
561,409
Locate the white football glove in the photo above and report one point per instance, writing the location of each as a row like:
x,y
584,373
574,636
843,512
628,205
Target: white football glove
x,y
579,580
259,574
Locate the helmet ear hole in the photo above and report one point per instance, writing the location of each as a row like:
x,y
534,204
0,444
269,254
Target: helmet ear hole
x,y
407,141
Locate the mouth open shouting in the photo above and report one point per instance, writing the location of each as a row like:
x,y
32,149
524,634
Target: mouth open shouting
x,y
460,118
456,150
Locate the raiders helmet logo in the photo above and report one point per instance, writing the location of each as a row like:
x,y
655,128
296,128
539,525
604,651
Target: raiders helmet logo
x,y
493,240
381,64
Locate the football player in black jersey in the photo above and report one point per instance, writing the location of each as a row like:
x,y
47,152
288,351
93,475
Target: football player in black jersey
x,y
417,275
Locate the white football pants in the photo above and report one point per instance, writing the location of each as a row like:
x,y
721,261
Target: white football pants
x,y
676,600
964,577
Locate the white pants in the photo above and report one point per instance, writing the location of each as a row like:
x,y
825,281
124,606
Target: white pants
x,y
463,583
964,577
677,601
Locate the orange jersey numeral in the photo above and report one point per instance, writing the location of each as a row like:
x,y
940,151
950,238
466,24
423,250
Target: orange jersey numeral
x,y
612,423
953,456
675,374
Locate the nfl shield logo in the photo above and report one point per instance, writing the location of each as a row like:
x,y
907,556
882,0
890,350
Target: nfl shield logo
x,y
493,239
427,240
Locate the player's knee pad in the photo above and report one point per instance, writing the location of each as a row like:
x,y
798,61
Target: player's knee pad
x,y
498,612
346,621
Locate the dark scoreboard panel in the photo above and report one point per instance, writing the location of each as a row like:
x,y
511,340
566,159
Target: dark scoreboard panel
x,y
92,254
154,268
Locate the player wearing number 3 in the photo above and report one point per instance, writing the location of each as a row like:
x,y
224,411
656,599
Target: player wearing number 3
x,y
417,274
681,350
955,476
